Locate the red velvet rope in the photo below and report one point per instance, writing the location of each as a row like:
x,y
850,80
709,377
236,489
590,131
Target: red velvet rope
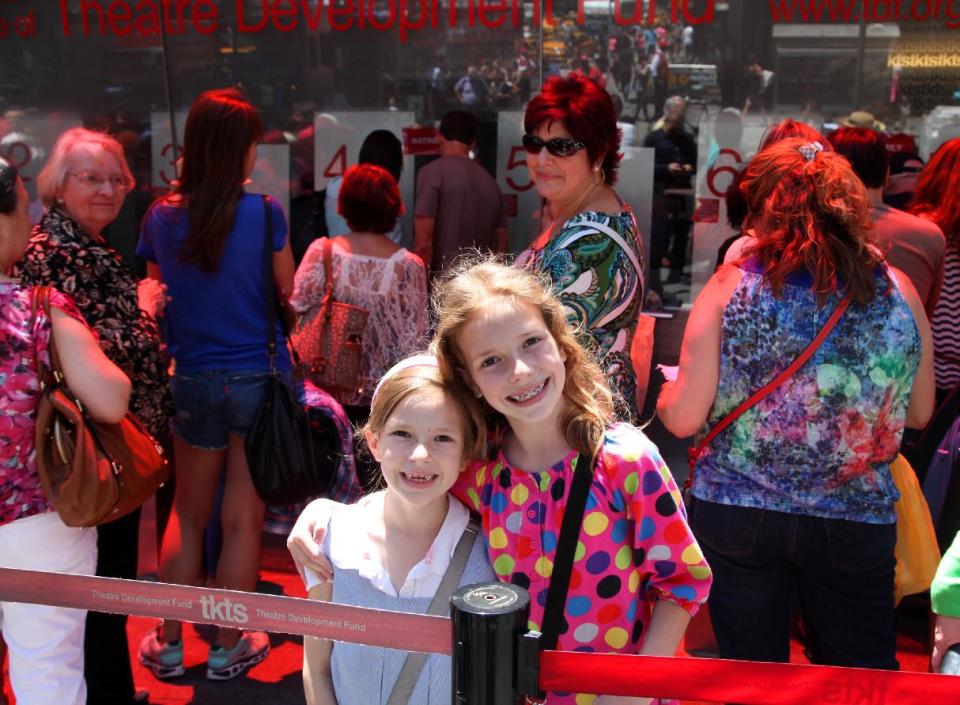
x,y
718,680
615,674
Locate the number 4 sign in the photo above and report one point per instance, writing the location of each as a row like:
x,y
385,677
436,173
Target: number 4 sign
x,y
338,137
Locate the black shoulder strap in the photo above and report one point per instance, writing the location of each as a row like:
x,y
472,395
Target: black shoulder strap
x,y
439,605
268,283
566,547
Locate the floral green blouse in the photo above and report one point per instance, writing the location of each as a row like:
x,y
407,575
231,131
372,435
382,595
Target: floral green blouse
x,y
595,263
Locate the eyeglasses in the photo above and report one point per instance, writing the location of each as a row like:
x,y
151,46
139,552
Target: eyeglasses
x,y
95,181
558,146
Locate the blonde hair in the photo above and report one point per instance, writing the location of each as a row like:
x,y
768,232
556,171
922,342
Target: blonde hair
x,y
398,386
467,288
54,174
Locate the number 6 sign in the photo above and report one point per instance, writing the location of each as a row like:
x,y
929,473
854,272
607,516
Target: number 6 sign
x,y
715,171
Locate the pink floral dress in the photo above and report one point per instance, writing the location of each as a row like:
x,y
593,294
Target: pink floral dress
x,y
20,492
635,545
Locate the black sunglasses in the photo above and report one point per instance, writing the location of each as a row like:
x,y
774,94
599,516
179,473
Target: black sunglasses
x,y
558,146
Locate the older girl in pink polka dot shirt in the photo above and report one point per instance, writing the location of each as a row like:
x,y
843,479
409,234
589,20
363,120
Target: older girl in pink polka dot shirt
x,y
638,573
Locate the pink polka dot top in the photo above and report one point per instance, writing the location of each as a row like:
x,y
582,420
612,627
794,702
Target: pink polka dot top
x,y
635,545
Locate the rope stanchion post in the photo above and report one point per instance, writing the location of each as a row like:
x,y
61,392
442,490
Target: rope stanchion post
x,y
489,624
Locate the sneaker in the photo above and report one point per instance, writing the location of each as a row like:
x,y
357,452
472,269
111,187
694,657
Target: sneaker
x,y
165,659
224,664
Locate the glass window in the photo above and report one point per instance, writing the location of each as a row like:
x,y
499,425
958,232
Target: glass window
x,y
323,73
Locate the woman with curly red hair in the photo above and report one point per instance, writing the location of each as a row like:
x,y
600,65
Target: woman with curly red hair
x,y
796,494
591,250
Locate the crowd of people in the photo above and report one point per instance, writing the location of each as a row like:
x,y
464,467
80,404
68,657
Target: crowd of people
x,y
496,402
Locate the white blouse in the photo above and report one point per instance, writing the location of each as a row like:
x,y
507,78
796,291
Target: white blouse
x,y
347,546
392,290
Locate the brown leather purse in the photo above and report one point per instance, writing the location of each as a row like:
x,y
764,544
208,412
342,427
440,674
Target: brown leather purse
x,y
92,472
330,345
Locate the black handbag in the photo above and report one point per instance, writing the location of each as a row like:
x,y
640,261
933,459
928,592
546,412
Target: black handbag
x,y
292,455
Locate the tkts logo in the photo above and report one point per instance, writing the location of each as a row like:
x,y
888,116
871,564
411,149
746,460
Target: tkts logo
x,y
223,610
848,693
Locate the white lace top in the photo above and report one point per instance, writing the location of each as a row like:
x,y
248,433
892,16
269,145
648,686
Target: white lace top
x,y
392,290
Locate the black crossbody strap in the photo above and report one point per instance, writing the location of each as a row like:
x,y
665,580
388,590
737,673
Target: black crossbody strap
x,y
566,547
268,283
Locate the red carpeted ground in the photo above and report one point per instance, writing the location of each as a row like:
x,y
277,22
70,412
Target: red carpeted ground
x,y
277,680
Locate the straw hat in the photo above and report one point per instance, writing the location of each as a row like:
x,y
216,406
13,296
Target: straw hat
x,y
861,118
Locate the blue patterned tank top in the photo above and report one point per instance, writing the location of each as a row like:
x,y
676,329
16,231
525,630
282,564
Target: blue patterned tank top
x,y
821,443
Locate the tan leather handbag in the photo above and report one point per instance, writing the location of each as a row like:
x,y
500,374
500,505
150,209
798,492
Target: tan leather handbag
x,y
330,345
91,472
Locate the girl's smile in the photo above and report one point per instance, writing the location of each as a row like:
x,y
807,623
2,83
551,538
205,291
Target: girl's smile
x,y
420,448
529,395
513,361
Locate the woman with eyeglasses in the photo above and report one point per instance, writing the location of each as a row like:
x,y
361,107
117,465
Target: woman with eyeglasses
x,y
83,185
591,249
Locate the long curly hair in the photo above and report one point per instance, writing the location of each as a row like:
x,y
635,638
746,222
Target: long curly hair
x,y
472,285
938,191
811,215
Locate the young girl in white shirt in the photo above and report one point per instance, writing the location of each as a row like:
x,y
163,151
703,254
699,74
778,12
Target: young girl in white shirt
x,y
391,549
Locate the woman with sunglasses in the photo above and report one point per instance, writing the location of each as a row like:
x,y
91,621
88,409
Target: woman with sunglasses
x,y
591,249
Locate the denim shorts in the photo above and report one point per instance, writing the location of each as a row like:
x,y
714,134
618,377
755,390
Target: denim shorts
x,y
214,403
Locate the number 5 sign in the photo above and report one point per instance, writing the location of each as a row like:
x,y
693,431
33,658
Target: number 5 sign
x,y
519,195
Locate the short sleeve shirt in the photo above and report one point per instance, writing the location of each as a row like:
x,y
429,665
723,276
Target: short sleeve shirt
x,y
63,255
465,203
21,494
821,443
217,320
